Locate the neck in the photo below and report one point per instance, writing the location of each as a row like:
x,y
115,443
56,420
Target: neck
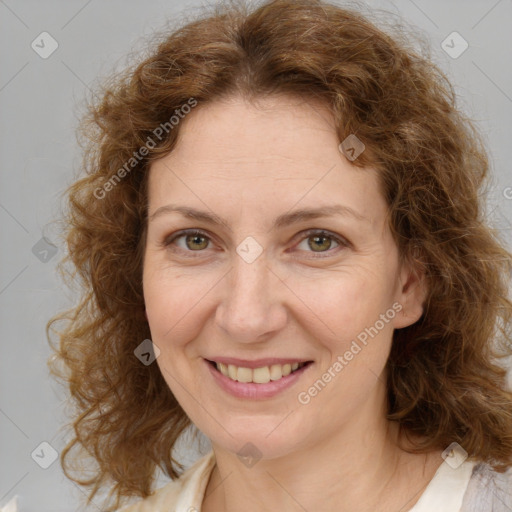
x,y
360,467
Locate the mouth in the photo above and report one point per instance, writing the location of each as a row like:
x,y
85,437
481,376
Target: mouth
x,y
260,375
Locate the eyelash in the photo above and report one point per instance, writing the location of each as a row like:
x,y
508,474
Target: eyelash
x,y
167,242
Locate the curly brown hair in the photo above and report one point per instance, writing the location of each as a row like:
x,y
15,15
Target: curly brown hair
x,y
445,382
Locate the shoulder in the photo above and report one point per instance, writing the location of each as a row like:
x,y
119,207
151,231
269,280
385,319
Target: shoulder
x,y
184,493
488,490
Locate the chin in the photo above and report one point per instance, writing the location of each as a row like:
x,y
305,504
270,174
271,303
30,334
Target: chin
x,y
266,439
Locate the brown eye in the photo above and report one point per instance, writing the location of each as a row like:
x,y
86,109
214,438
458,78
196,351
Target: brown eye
x,y
195,241
319,243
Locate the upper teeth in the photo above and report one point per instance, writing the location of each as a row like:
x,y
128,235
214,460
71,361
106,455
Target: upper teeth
x,y
258,375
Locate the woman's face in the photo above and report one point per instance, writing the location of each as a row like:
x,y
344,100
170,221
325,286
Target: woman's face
x,y
261,288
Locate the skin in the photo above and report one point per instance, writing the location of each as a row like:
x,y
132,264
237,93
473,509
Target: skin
x,y
250,163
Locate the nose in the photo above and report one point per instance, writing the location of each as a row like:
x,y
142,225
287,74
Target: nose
x,y
251,307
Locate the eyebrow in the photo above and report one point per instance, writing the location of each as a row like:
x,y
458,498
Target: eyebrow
x,y
283,220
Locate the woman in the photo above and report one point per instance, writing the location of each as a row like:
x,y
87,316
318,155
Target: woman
x,y
280,240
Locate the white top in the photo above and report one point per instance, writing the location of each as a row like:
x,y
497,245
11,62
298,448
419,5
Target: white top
x,y
445,492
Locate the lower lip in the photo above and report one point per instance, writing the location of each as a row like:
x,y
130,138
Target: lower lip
x,y
253,390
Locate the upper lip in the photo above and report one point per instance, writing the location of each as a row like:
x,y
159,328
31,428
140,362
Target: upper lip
x,y
256,363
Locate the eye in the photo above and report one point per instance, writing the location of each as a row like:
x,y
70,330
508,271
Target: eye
x,y
194,240
320,241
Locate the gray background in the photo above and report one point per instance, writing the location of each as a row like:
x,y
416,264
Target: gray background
x,y
40,101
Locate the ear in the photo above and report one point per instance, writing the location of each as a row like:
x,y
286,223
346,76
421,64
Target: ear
x,y
411,294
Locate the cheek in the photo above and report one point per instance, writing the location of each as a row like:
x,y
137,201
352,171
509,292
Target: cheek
x,y
174,307
343,302
173,304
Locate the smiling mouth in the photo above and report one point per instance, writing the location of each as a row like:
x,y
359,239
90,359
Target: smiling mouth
x,y
261,375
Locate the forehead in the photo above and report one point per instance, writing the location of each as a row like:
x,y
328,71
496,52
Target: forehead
x,y
277,151
260,131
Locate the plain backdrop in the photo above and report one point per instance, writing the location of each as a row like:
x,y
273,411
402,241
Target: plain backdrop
x,y
40,102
